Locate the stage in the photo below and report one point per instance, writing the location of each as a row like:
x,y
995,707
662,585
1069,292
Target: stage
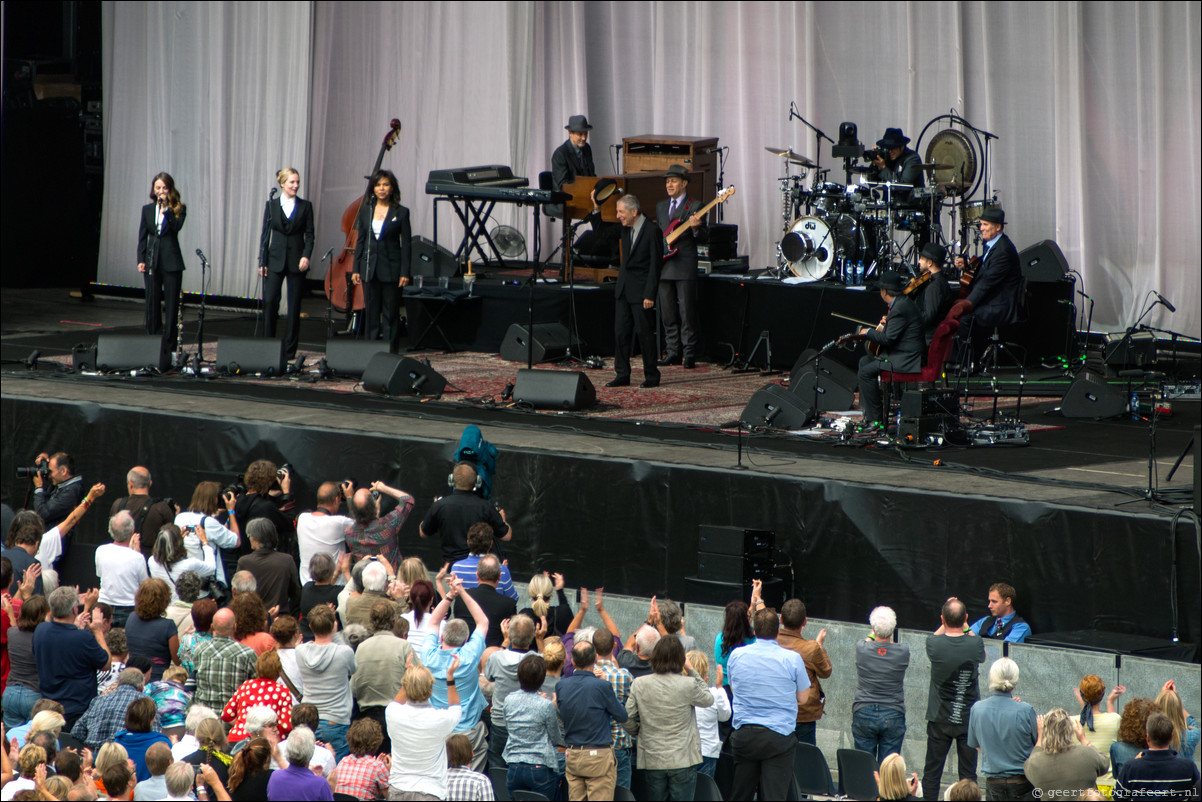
x,y
858,523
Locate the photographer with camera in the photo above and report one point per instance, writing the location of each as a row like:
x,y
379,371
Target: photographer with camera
x,y
268,494
150,514
892,161
57,490
209,501
323,531
371,535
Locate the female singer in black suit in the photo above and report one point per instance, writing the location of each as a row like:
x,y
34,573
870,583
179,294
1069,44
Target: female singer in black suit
x,y
160,260
382,258
284,250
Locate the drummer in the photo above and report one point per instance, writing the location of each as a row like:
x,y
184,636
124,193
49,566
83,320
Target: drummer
x,y
895,163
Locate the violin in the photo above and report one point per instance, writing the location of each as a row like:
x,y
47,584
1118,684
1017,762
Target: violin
x,y
917,282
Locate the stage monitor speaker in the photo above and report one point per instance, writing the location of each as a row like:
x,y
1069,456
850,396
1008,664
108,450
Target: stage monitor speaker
x,y
1089,396
554,389
83,357
829,367
115,352
551,342
773,405
1043,262
432,260
244,355
392,374
734,540
930,401
832,392
351,357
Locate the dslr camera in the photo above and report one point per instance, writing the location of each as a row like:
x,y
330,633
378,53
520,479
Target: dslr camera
x,y
42,466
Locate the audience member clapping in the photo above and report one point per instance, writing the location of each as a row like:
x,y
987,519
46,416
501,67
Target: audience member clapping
x,y
149,632
121,567
554,618
297,782
1132,735
892,781
363,773
1185,729
421,602
1063,762
22,690
419,730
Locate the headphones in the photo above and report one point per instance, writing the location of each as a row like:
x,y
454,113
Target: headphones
x,y
479,479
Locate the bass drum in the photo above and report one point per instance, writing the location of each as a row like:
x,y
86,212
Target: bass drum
x,y
813,244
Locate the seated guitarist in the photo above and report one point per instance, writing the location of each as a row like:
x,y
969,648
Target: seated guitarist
x,y
996,290
901,345
678,278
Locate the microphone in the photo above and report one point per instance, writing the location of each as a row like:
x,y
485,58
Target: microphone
x,y
201,254
329,253
1164,301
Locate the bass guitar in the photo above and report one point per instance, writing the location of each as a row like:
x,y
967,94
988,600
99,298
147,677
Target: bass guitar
x,y
678,226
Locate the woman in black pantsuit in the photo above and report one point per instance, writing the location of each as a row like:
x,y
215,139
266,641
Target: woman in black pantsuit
x,y
382,258
284,250
160,260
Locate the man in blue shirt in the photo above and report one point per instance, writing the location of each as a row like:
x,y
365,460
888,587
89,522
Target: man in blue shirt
x,y
586,703
68,657
768,682
1004,729
1002,623
438,658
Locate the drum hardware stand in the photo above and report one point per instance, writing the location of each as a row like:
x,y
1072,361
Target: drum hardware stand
x,y
745,366
818,137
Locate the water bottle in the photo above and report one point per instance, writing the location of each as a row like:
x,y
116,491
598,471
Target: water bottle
x,y
1135,406
859,272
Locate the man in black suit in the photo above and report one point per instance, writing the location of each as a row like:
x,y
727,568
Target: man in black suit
x,y
678,279
635,291
894,162
901,341
497,606
573,158
936,297
997,285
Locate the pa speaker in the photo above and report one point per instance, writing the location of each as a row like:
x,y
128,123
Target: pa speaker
x,y
1043,262
773,405
554,389
130,352
351,357
831,368
1089,396
240,356
831,392
432,260
549,343
83,357
392,374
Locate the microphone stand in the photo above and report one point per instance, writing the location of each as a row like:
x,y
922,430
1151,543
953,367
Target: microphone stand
x,y
260,330
200,315
818,137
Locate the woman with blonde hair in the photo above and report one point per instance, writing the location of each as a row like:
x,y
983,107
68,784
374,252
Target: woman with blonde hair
x,y
1185,729
1062,761
542,588
110,754
892,782
285,245
708,717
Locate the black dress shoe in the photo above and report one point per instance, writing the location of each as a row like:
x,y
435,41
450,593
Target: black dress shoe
x,y
689,363
647,385
670,359
619,382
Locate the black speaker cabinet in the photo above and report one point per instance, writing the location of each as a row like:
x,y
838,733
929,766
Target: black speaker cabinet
x,y
1043,262
351,357
832,393
432,260
734,540
773,405
831,368
392,374
930,401
244,355
551,341
115,352
1089,396
742,569
554,389
83,357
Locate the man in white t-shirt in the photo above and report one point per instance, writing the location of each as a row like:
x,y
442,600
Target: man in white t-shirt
x,y
121,567
323,530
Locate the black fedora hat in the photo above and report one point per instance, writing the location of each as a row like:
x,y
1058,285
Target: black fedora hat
x,y
994,214
893,138
936,253
891,282
678,171
578,123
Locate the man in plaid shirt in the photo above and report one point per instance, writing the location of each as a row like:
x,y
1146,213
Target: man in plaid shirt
x,y
362,774
222,664
105,716
372,535
620,680
462,782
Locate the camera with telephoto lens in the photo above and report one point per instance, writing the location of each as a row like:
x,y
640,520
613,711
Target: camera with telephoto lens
x,y
42,466
876,153
284,470
237,487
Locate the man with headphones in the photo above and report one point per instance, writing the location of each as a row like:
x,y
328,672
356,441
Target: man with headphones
x,y
451,516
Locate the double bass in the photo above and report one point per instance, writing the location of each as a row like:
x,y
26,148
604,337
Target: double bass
x,y
343,294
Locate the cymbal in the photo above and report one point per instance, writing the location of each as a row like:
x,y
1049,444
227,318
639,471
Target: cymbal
x,y
790,156
932,167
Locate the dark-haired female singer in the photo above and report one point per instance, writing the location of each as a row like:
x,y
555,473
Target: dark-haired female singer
x,y
160,260
284,250
382,258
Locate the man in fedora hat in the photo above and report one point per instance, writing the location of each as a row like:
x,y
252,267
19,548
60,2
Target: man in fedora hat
x,y
900,337
678,278
997,284
894,162
936,296
575,156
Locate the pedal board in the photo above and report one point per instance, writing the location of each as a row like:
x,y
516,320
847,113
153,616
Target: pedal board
x,y
1008,433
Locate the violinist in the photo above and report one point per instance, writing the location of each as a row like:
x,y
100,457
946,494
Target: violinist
x,y
160,260
935,296
285,246
382,259
899,336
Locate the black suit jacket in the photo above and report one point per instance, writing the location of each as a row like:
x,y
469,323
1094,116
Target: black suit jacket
x,y
286,240
495,605
934,301
638,275
902,338
565,168
998,286
906,170
387,258
682,266
165,245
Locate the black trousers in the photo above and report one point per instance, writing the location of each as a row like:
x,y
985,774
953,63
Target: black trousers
x,y
763,758
632,318
162,288
870,390
383,312
272,285
939,742
678,311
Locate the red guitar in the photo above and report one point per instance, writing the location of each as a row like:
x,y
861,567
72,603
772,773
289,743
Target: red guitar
x,y
678,226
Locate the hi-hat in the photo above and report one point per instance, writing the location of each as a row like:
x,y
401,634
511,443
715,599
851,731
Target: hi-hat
x,y
791,157
932,167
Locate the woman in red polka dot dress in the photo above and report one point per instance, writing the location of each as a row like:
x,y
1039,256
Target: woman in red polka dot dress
x,y
265,690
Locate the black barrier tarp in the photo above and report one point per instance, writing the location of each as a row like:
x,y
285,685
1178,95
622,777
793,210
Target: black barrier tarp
x,y
631,525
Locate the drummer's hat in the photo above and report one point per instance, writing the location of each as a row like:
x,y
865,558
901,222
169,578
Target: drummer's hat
x,y
891,282
936,253
678,171
994,214
578,123
893,138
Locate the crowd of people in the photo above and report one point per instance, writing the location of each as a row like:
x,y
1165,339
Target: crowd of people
x,y
252,653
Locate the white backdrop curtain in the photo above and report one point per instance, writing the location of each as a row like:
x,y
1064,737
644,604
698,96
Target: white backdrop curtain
x,y
1096,106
